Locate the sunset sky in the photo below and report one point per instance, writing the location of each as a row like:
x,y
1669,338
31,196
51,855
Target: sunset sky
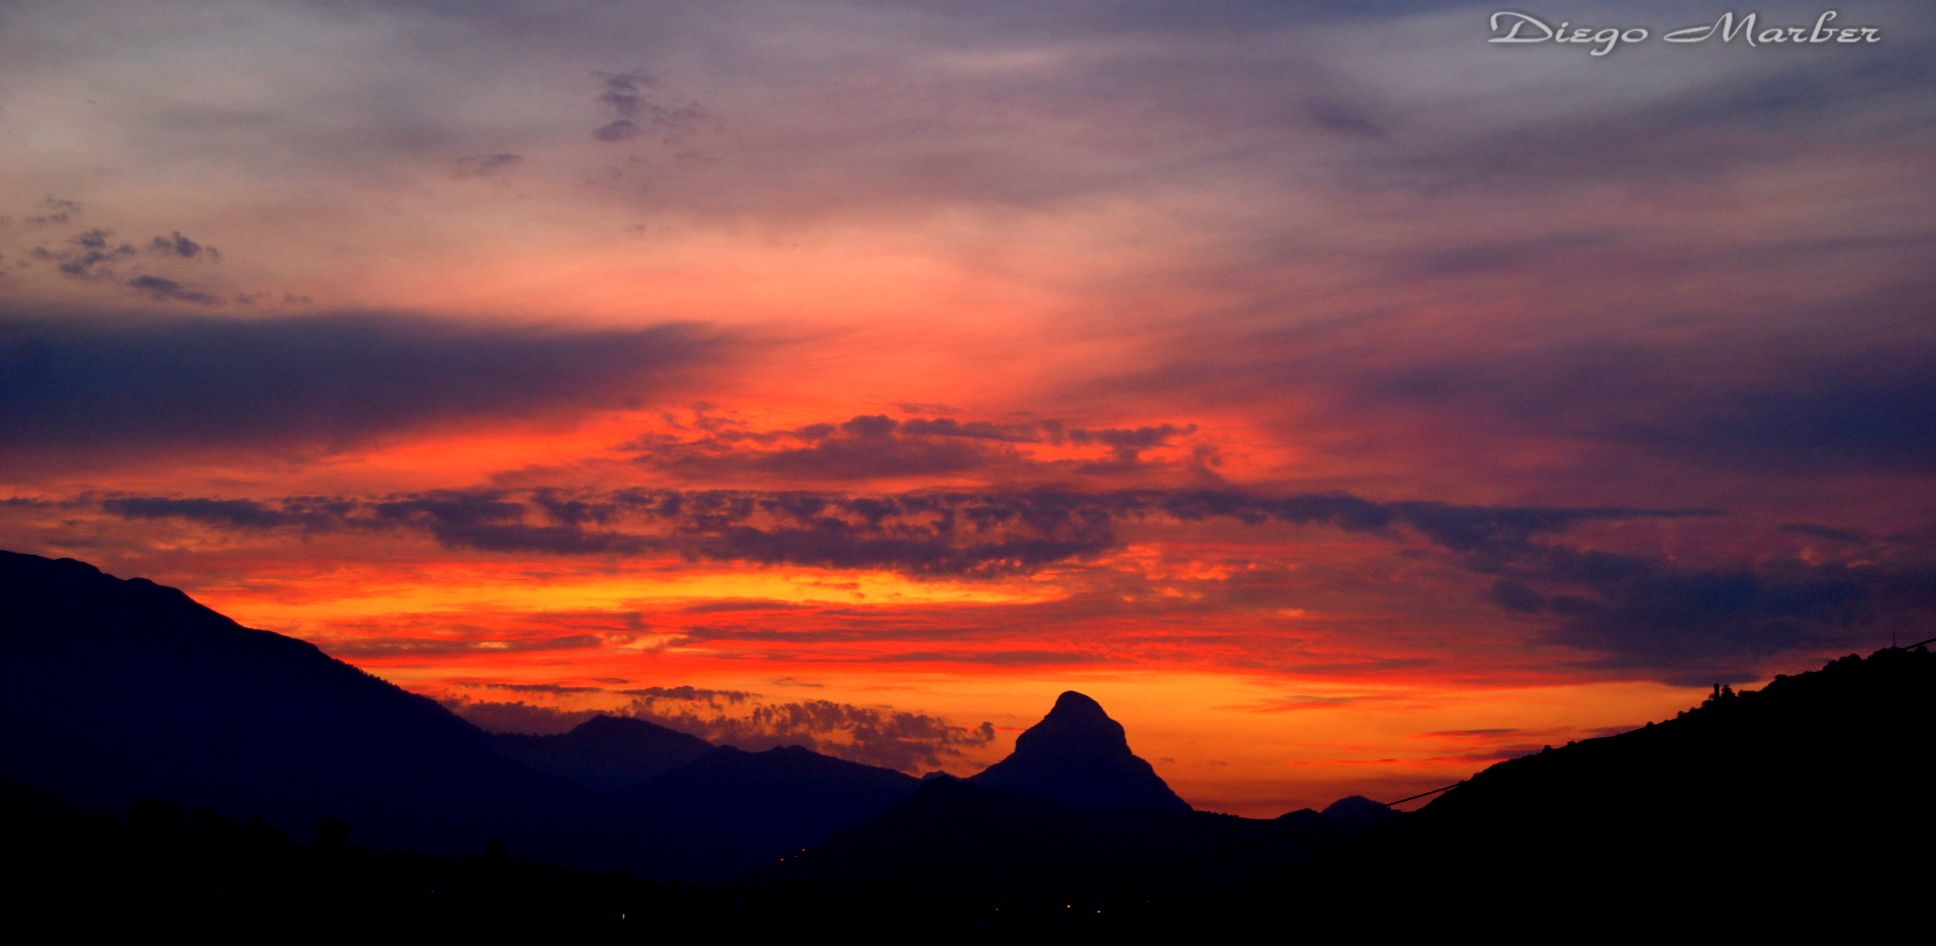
x,y
1342,400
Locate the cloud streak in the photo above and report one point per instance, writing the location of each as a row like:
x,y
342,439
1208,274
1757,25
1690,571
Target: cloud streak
x,y
922,534
874,735
1678,619
1694,623
882,447
325,381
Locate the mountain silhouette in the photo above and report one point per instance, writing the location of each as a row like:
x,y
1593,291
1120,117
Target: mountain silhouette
x,y
741,810
1080,757
1797,801
1794,804
116,690
113,690
1358,806
714,811
606,753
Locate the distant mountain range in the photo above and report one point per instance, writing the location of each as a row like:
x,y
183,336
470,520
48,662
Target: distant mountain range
x,y
606,753
113,691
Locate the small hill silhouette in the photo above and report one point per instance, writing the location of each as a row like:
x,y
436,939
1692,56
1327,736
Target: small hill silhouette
x,y
606,753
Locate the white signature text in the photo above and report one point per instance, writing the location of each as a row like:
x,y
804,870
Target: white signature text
x,y
1512,27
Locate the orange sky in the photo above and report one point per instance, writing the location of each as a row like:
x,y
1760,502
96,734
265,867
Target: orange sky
x,y
1342,401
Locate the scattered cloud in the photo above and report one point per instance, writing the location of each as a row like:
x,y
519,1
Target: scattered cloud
x,y
89,254
715,699
1830,533
168,290
366,647
882,447
485,165
874,735
622,96
54,212
176,245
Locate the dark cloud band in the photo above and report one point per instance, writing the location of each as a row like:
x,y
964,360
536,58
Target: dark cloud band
x,y
931,534
331,380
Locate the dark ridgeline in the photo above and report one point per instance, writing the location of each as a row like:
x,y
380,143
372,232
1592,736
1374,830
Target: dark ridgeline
x,y
712,811
1794,808
1080,757
1795,804
958,844
606,753
1071,815
113,691
731,811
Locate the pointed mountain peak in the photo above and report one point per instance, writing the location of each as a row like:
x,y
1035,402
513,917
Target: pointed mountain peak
x,y
1078,704
1077,725
1079,756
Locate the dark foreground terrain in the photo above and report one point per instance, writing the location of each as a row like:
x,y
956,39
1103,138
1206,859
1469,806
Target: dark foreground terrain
x,y
166,768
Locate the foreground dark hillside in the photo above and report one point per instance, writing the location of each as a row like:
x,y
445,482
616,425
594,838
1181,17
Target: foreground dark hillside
x,y
114,691
1799,802
962,843
1789,808
165,867
1796,804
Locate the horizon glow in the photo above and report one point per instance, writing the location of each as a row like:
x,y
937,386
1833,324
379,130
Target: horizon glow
x,y
1343,401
